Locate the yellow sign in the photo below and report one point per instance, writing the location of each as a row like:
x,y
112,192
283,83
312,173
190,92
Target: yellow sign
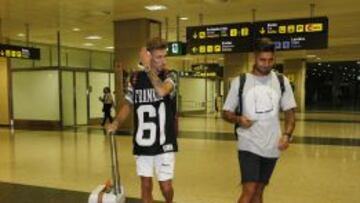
x,y
217,48
299,28
262,31
202,49
314,27
271,30
244,31
210,49
194,49
282,29
202,35
195,35
291,28
233,32
11,51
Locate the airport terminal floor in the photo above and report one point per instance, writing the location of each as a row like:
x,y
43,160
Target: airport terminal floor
x,y
322,165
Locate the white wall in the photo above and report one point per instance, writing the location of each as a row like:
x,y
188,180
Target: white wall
x,y
192,94
68,98
36,95
81,98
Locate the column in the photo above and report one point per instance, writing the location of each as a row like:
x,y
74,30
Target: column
x,y
295,70
129,37
4,92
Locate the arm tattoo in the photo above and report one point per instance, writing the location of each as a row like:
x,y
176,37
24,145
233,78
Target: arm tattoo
x,y
155,80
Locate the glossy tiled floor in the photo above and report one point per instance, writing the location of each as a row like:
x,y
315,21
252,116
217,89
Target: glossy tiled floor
x,y
206,168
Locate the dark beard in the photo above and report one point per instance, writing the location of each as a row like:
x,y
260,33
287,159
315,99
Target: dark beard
x,y
263,71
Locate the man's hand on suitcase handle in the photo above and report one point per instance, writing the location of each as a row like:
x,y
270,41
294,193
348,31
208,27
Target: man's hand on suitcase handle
x,y
113,127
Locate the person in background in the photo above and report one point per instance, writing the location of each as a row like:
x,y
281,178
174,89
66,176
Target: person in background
x,y
108,103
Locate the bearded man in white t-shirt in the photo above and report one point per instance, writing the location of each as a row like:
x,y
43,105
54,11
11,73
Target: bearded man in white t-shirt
x,y
260,139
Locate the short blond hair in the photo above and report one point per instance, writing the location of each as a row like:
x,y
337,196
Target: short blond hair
x,y
156,43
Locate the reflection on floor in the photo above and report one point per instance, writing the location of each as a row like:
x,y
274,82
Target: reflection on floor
x,y
206,167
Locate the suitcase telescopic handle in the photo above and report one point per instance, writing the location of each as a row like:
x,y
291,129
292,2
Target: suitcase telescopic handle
x,y
114,164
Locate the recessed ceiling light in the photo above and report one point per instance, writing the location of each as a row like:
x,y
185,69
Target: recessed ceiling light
x,y
75,29
88,44
93,37
109,47
310,56
155,7
101,13
184,18
21,35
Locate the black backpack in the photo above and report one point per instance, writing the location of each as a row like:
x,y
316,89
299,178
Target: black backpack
x,y
242,80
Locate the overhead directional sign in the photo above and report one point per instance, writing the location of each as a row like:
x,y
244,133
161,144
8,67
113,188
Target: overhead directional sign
x,y
290,34
216,39
293,34
10,51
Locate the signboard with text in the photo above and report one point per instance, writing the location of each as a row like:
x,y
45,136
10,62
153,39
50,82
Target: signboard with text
x,y
290,34
294,34
176,49
217,39
11,51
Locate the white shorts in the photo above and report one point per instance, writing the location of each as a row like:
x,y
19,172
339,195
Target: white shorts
x,y
163,164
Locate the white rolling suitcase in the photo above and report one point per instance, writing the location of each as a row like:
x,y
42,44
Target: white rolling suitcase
x,y
110,193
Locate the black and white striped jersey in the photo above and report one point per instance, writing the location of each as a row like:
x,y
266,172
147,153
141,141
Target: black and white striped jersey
x,y
155,123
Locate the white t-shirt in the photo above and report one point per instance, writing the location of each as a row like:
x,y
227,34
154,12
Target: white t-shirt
x,y
262,101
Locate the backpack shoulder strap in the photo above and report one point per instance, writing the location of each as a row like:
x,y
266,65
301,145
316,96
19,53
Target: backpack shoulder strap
x,y
281,81
242,80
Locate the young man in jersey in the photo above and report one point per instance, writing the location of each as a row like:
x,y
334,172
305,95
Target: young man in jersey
x,y
259,135
151,94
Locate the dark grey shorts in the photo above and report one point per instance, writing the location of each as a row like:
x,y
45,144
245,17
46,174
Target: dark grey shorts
x,y
255,168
